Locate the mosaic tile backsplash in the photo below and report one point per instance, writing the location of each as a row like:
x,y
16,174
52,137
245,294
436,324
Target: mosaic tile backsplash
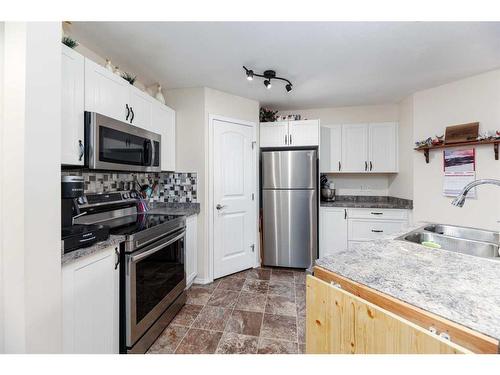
x,y
173,187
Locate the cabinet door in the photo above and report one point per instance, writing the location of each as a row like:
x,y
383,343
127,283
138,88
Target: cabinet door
x,y
274,134
163,122
105,92
90,304
141,107
368,230
331,149
191,249
382,148
355,148
338,322
72,107
332,230
303,133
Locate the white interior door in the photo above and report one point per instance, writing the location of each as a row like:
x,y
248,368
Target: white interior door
x,y
234,185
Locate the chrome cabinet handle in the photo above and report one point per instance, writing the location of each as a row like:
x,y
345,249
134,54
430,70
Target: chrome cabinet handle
x,y
340,166
133,115
220,207
290,138
286,139
345,214
80,145
371,166
377,213
366,166
377,231
128,112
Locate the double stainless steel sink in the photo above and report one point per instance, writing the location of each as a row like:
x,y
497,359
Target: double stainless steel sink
x,y
470,241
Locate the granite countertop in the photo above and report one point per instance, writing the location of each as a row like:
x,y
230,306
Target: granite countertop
x,y
186,209
461,288
368,201
74,255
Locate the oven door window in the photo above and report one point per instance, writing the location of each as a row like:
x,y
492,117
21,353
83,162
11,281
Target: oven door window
x,y
157,275
123,148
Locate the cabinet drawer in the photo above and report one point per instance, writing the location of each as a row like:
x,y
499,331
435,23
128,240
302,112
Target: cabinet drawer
x,y
377,213
366,230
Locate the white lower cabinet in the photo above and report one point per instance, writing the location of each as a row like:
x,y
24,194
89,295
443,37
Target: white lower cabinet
x,y
346,228
90,287
191,249
332,230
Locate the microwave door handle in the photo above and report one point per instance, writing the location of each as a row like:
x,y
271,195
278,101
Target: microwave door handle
x,y
148,152
155,249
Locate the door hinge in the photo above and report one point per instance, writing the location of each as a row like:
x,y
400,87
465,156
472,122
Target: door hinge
x,y
253,144
253,196
252,246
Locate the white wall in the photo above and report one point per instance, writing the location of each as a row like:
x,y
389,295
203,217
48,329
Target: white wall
x,y
401,184
31,188
354,184
2,40
468,100
193,106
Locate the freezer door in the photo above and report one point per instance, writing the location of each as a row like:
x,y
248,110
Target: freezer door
x,y
290,227
289,169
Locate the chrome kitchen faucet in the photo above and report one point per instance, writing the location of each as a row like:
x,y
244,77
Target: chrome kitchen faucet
x,y
460,199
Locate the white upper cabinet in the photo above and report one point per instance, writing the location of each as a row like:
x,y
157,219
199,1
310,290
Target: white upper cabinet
x,y
355,148
141,106
331,149
359,148
163,122
274,134
383,147
72,107
303,133
106,92
289,133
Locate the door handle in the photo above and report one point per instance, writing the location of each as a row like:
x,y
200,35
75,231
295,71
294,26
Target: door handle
x,y
128,112
371,166
340,166
286,139
80,145
133,115
345,214
290,138
220,207
366,166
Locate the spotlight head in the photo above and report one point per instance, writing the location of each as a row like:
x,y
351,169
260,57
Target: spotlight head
x,y
267,83
250,75
288,87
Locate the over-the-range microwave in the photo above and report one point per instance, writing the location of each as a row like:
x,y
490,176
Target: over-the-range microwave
x,y
115,145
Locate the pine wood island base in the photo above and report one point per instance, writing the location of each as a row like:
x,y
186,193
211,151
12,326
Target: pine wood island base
x,y
345,317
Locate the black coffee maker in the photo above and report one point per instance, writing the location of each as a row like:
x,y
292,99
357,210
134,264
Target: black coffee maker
x,y
76,236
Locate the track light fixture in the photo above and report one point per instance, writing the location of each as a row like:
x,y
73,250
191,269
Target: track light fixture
x,y
268,75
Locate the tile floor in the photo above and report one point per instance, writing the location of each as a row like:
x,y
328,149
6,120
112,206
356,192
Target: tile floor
x,y
257,311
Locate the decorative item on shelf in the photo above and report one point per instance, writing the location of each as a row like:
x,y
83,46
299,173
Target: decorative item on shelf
x,y
129,77
488,135
438,140
425,143
159,95
108,65
117,71
462,133
267,115
497,134
70,42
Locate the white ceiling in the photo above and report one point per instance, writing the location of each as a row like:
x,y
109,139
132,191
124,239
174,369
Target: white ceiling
x,y
329,63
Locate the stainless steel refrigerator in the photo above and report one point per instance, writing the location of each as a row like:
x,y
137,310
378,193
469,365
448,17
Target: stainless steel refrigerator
x,y
290,207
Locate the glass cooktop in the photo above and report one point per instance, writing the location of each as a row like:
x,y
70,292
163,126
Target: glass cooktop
x,y
130,224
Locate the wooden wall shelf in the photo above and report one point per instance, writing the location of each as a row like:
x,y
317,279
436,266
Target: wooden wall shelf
x,y
427,149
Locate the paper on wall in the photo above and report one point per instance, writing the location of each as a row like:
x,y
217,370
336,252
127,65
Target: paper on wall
x,y
453,183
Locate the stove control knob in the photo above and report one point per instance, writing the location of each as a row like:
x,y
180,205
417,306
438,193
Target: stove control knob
x,y
125,196
81,200
133,195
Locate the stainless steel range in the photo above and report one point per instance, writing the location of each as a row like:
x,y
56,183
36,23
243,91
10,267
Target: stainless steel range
x,y
152,276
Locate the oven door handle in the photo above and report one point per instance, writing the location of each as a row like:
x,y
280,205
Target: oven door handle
x,y
147,253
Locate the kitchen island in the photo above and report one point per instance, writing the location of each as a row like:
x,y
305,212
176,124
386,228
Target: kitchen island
x,y
456,296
